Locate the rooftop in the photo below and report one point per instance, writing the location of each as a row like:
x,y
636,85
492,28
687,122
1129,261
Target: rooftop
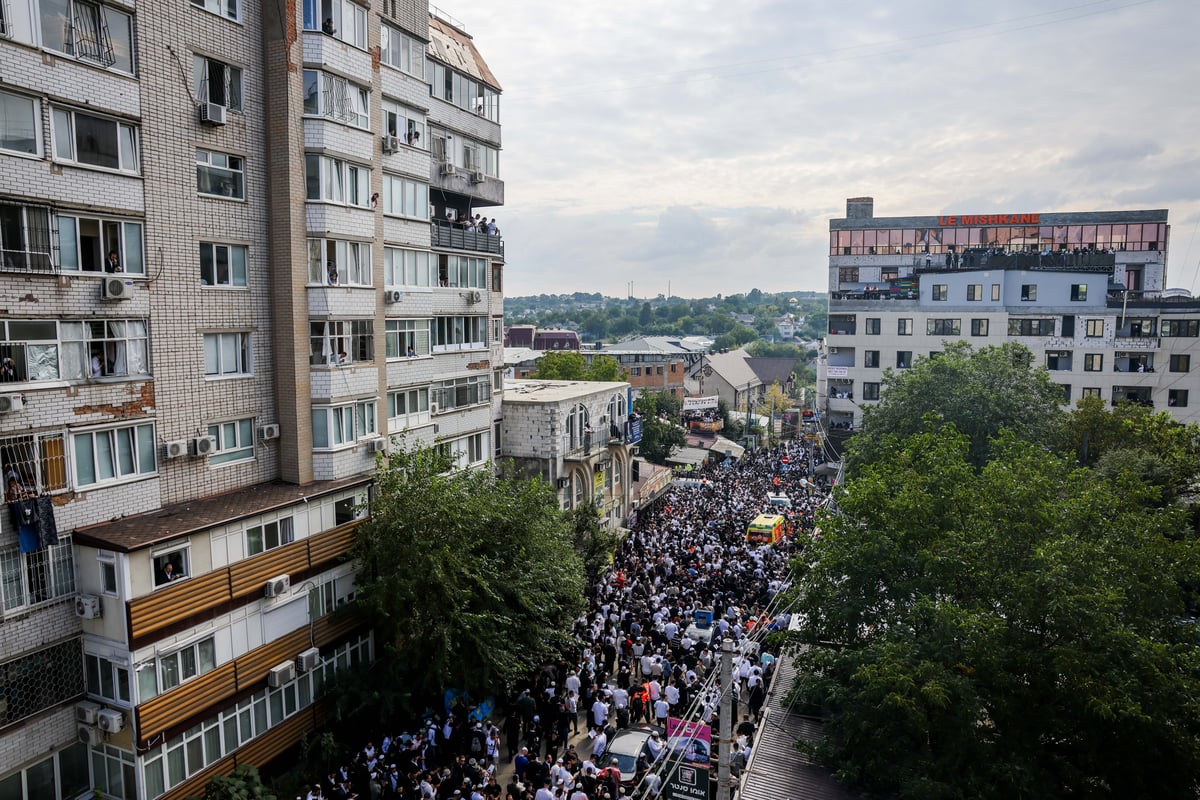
x,y
532,392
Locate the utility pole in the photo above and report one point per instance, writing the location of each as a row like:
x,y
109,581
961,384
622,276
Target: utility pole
x,y
725,742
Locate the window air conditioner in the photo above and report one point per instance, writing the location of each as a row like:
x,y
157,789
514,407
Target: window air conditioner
x,y
177,449
477,177
110,720
278,586
89,735
212,113
116,289
390,144
392,296
433,408
563,483
379,445
268,432
202,446
308,660
86,711
87,606
11,402
475,297
281,674
446,169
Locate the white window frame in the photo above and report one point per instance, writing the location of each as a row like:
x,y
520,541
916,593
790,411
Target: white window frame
x,y
229,9
405,197
407,124
227,168
30,249
336,98
407,267
400,334
107,32
123,343
158,558
106,564
232,89
269,534
65,140
459,333
400,408
235,269
9,102
467,451
55,563
102,664
138,463
336,336
339,11
400,51
476,391
337,262
341,426
228,354
462,271
337,181
235,441
181,659
111,233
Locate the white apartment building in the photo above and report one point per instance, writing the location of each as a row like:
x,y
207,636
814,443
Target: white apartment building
x,y
222,290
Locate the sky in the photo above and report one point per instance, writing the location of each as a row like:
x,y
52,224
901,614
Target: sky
x,y
699,148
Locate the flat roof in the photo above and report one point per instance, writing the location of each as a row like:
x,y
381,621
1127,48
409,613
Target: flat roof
x,y
1005,219
534,391
139,531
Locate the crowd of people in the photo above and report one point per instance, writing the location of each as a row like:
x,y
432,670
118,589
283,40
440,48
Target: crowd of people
x,y
472,224
637,661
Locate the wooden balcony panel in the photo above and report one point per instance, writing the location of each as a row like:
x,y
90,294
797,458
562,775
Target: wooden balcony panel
x,y
254,666
333,627
184,599
251,575
276,740
194,786
330,545
183,701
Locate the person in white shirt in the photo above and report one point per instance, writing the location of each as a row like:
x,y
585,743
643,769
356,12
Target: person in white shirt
x,y
598,744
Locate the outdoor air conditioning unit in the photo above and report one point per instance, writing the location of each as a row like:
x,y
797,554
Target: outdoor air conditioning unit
x,y
477,177
390,144
833,351
562,483
475,296
11,402
87,606
268,432
278,586
110,720
308,660
379,445
446,169
212,113
177,449
115,289
392,296
281,674
433,408
86,711
89,735
202,446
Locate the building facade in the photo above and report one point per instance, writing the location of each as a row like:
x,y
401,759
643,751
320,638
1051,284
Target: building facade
x,y
1086,292
239,251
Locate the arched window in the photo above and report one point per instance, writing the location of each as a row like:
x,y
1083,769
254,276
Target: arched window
x,y
578,421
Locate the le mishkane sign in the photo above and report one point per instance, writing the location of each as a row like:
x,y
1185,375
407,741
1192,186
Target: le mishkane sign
x,y
990,219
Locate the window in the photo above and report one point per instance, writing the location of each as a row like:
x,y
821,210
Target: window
x,y
466,451
1095,328
873,326
37,460
1181,327
235,441
405,197
30,579
223,8
89,31
399,50
407,338
1067,331
1029,291
338,99
269,535
1078,292
974,291
1090,392
338,343
497,277
1066,390
870,391
37,681
343,425
1093,362
461,392
341,19
635,372
402,267
871,358
459,333
979,327
25,236
186,663
84,243
105,348
222,264
475,156
332,180
406,124
462,272
93,141
1031,327
1177,398
407,408
113,455
1180,362
1058,360
995,292
334,262
1140,326
108,574
903,359
106,679
220,175
847,275
941,291
462,91
904,326
1133,276
943,327
71,769
217,82
19,124
227,354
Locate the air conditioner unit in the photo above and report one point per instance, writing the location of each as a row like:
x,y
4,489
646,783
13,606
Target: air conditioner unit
x,y
477,177
392,296
212,113
268,432
433,408
562,483
390,144
833,350
281,674
446,169
11,402
110,720
89,735
202,446
115,289
379,445
308,660
88,606
278,586
475,297
177,449
86,711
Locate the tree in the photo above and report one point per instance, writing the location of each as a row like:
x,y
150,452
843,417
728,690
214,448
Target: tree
x,y
243,784
604,368
660,434
997,632
570,365
470,578
593,541
980,392
736,336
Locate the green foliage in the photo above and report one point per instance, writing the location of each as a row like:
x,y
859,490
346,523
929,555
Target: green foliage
x,y
1004,631
571,365
470,578
737,336
593,541
243,784
980,392
604,368
660,434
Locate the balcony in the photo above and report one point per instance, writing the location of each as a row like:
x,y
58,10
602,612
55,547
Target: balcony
x,y
1132,394
453,237
579,446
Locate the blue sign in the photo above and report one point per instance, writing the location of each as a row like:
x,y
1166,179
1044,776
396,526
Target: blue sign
x,y
633,431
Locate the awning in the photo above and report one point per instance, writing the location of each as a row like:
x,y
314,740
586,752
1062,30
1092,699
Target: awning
x,y
727,448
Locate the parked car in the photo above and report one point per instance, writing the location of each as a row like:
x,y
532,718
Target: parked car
x,y
626,746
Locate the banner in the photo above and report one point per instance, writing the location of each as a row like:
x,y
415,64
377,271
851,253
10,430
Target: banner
x,y
691,739
697,403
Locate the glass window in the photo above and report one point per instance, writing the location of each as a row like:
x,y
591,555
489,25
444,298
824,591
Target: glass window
x,y
870,391
398,49
269,536
19,122
235,441
97,244
339,263
903,359
170,566
1180,362
941,291
88,31
979,327
333,180
995,292
224,8
338,343
943,327
1180,327
216,82
222,264
335,97
24,236
873,326
1093,362
107,679
1029,291
904,326
94,141
37,462
1177,398
220,175
1095,328
406,124
407,338
227,354
113,455
187,663
871,359
341,19
403,267
405,197
974,291
108,575
1078,292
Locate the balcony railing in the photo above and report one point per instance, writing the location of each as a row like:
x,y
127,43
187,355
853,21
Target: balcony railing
x,y
455,237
